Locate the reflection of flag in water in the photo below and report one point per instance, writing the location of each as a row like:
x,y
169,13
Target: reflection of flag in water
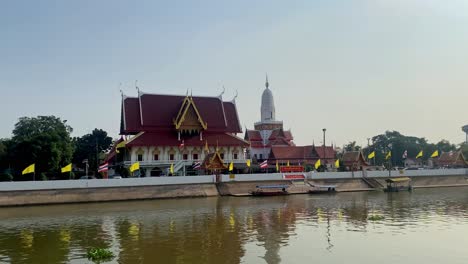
x,y
103,167
405,154
264,164
196,165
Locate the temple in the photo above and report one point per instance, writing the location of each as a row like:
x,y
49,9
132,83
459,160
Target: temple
x,y
268,132
269,141
178,132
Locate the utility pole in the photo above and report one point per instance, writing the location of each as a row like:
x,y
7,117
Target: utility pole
x,y
324,152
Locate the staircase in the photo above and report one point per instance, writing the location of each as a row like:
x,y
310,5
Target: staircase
x,y
373,183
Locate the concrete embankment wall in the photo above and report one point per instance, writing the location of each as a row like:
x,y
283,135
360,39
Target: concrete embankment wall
x,y
56,196
51,192
75,191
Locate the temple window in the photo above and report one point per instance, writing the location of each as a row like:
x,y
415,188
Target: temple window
x,y
185,156
261,156
235,155
171,156
195,156
140,157
156,156
222,155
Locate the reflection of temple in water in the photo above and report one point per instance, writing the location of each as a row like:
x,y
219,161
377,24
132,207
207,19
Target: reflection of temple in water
x,y
211,230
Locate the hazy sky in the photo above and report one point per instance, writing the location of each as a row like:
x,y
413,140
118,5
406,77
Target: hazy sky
x,y
357,68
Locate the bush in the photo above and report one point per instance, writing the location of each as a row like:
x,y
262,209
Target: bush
x,y
44,177
4,177
100,254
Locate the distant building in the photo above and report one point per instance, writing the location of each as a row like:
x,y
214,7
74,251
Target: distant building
x,y
269,141
268,131
175,130
451,160
354,160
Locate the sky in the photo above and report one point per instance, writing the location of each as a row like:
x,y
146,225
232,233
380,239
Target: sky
x,y
354,67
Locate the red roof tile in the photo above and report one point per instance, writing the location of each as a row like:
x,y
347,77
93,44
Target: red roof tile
x,y
253,135
169,138
329,152
159,111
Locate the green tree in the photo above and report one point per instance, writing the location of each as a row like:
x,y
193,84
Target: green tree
x,y
43,140
464,149
352,146
89,146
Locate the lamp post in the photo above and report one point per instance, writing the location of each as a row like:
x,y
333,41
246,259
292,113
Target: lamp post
x,y
324,152
390,160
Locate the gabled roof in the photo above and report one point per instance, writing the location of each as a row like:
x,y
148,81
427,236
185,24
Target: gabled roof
x,y
354,158
326,152
280,133
167,138
452,159
213,161
156,112
187,110
253,135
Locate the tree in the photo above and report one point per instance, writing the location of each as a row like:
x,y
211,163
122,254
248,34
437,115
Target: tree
x,y
43,140
89,146
464,149
351,146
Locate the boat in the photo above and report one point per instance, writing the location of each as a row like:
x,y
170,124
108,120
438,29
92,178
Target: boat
x,y
270,190
398,184
318,189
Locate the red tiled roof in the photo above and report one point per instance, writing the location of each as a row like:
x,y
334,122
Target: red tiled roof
x,y
280,133
168,138
253,135
159,111
328,153
354,158
451,159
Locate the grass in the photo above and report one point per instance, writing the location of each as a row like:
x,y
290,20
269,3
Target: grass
x,y
100,254
376,217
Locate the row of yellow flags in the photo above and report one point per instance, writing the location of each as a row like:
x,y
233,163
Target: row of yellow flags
x,y
317,164
435,154
32,169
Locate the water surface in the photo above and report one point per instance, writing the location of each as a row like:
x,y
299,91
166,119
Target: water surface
x,y
425,226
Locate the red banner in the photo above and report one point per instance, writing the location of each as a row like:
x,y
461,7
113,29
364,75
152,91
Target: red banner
x,y
291,169
293,176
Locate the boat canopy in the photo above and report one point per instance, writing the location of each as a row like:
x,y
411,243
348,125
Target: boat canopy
x,y
400,179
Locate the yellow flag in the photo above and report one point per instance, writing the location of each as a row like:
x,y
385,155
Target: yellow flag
x,y
248,163
231,166
389,155
171,169
288,163
420,154
277,166
135,166
337,163
435,154
317,164
371,155
67,168
29,169
121,144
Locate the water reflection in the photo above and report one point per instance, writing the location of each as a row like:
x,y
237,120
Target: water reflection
x,y
220,230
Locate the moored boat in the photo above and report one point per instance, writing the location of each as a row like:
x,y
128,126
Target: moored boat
x,y
318,189
270,190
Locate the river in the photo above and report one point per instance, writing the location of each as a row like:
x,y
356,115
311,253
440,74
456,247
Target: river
x,y
425,226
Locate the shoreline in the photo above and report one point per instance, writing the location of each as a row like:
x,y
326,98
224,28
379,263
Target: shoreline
x,y
10,198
